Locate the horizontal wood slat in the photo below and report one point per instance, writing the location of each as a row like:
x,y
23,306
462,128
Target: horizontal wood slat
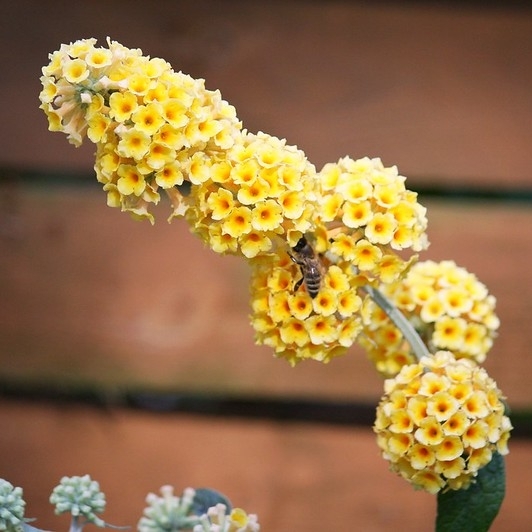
x,y
295,476
89,295
443,91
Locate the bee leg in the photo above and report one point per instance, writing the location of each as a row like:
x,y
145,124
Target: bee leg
x,y
298,284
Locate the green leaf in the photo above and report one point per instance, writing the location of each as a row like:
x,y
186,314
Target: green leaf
x,y
475,508
207,497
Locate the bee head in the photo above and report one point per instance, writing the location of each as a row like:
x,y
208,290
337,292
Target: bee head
x,y
301,243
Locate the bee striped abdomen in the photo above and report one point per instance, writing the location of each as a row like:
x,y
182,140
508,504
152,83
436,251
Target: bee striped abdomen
x,y
309,264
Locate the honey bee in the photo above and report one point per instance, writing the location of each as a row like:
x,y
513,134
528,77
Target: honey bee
x,y
310,266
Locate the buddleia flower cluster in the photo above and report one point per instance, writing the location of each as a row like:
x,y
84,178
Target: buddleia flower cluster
x,y
12,507
440,421
448,307
169,513
81,497
365,216
370,216
321,246
258,196
146,120
251,195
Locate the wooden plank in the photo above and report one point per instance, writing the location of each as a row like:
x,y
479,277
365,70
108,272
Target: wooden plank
x,y
443,92
90,295
294,476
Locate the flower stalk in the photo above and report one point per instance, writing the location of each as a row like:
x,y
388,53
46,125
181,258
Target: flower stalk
x,y
400,321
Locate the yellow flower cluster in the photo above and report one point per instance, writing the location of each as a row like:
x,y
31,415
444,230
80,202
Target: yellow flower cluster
x,y
260,190
370,215
247,194
440,421
449,308
146,120
296,325
361,220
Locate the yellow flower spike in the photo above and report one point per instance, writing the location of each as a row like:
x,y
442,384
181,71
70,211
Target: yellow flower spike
x,y
328,332
277,212
448,306
115,95
440,440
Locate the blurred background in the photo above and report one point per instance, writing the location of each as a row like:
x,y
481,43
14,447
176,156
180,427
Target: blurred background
x,y
99,313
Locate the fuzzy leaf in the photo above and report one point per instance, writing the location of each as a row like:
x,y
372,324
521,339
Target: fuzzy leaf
x,y
475,508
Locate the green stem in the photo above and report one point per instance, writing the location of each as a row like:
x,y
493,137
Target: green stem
x,y
75,525
410,334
